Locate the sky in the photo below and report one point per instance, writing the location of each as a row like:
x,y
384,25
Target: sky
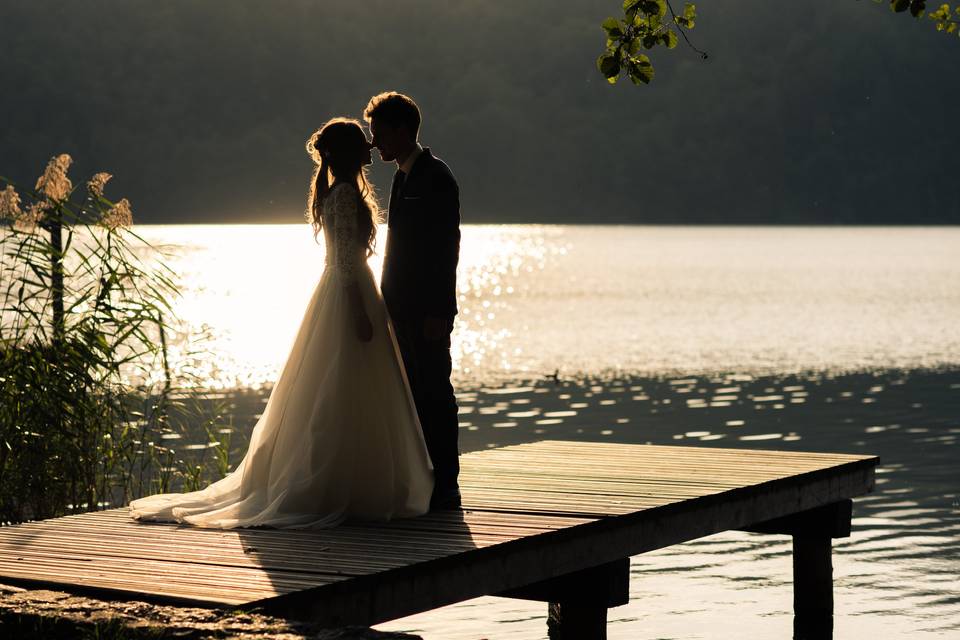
x,y
816,112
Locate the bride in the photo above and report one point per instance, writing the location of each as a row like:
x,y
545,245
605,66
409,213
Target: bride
x,y
339,436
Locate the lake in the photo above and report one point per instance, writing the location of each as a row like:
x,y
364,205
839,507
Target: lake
x,y
802,338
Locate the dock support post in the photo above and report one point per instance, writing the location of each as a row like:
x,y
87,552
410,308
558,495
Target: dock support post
x,y
812,588
812,564
578,602
572,620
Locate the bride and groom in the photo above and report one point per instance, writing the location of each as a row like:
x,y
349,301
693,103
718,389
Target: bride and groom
x,y
362,422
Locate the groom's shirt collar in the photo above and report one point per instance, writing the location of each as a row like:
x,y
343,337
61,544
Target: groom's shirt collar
x,y
408,163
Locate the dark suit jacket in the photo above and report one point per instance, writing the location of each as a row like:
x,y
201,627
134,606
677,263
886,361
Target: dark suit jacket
x,y
423,245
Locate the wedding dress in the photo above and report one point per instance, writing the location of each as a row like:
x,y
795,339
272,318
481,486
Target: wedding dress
x,y
339,436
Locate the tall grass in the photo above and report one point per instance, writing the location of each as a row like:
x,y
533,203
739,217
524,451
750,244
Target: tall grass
x,y
90,413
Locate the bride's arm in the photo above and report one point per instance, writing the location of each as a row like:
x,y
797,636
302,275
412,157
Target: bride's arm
x,y
345,236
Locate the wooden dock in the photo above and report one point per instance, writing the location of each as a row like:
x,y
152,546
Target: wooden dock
x,y
553,521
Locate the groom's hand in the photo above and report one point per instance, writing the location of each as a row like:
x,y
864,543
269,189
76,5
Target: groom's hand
x,y
435,328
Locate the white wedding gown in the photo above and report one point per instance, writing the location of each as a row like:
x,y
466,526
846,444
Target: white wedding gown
x,y
339,437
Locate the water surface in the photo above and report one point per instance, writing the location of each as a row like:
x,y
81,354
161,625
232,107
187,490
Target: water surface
x,y
808,339
635,299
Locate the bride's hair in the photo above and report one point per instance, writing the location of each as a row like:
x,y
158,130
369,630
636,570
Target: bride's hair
x,y
339,149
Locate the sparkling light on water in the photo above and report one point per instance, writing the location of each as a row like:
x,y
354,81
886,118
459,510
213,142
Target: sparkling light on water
x,y
583,300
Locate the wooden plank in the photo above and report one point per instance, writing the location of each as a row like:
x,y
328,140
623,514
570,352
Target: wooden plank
x,y
669,486
683,451
535,512
168,582
347,564
640,473
653,453
341,551
427,540
580,489
261,555
648,457
651,456
146,573
662,470
667,464
436,521
399,592
347,555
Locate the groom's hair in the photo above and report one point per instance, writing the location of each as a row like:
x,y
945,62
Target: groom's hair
x,y
394,109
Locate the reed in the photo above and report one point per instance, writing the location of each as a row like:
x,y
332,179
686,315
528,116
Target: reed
x,y
91,414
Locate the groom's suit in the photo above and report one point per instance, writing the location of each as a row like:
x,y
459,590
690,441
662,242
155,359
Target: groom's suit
x,y
419,281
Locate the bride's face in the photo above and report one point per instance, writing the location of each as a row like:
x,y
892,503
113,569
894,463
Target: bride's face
x,y
359,153
366,155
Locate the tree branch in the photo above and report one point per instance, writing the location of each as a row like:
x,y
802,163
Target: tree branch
x,y
673,14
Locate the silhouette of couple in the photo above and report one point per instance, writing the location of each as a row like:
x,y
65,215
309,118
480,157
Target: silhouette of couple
x,y
362,421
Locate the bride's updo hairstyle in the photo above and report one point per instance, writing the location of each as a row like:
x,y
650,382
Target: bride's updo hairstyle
x,y
340,150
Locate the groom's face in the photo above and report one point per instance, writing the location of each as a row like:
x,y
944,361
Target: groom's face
x,y
388,140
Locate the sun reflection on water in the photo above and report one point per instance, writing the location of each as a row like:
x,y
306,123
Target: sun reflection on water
x,y
493,263
245,288
543,300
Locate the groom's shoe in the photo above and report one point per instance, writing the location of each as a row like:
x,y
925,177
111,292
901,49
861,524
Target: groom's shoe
x,y
445,499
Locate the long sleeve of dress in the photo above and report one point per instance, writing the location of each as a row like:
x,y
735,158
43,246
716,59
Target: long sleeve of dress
x,y
346,241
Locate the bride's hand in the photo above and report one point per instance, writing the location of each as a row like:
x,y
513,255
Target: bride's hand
x,y
363,327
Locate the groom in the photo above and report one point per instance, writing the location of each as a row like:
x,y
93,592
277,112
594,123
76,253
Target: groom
x,y
420,278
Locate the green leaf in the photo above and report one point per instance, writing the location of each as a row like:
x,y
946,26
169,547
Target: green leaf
x,y
669,39
899,5
656,8
612,27
608,65
640,70
943,13
688,19
917,7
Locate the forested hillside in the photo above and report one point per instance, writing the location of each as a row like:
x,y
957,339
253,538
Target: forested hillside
x,y
830,111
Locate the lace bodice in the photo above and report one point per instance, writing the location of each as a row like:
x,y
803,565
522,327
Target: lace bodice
x,y
346,252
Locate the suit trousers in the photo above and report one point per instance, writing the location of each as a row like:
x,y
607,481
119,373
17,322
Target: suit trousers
x,y
428,366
